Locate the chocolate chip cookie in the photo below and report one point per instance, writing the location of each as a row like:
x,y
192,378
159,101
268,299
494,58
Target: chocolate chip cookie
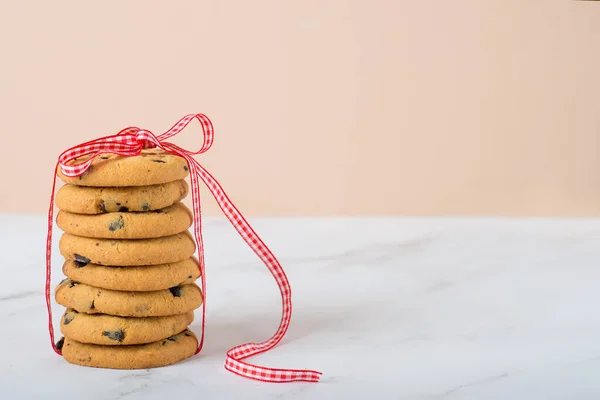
x,y
142,278
157,354
128,225
113,330
98,200
158,303
123,252
151,167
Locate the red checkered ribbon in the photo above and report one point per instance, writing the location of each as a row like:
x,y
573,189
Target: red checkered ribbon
x,y
130,142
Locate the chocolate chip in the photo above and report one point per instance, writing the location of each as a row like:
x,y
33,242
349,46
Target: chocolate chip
x,y
68,318
175,291
119,223
115,335
92,307
145,206
104,157
73,283
118,204
80,261
102,206
97,244
185,168
123,209
60,343
159,161
189,277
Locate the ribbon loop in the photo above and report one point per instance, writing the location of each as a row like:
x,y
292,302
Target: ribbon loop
x,y
130,142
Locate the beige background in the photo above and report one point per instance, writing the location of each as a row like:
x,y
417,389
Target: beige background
x,y
321,107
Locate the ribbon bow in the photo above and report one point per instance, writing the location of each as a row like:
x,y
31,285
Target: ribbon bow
x,y
130,142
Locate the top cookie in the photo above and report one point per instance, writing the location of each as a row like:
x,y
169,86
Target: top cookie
x,y
151,167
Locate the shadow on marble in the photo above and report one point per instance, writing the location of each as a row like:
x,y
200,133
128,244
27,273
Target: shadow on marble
x,y
221,336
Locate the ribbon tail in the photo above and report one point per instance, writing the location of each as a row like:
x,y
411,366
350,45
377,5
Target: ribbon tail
x,y
49,264
235,355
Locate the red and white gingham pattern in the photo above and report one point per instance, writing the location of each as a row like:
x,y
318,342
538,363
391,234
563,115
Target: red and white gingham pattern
x,y
130,142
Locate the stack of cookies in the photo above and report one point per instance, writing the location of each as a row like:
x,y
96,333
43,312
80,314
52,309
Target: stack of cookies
x,y
130,293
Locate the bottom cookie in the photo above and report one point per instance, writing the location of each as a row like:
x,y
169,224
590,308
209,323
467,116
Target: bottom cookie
x,y
158,354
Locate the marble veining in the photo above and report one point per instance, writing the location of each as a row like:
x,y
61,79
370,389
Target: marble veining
x,y
387,308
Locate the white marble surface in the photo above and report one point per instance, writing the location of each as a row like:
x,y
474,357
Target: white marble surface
x,y
387,308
